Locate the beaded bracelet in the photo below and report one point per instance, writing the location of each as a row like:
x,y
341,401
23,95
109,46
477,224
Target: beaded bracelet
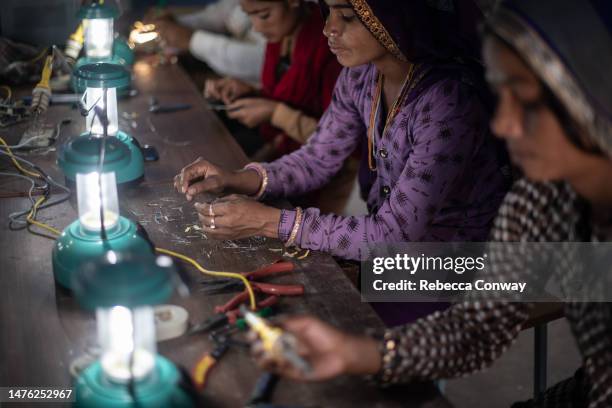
x,y
263,173
296,227
388,349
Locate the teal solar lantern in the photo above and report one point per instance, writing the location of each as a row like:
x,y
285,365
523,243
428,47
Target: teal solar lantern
x,y
99,39
83,240
129,373
82,154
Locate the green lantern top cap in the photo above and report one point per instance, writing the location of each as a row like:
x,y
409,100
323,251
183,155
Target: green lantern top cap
x,y
96,10
102,75
124,280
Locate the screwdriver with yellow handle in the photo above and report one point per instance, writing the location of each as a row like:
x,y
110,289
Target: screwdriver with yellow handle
x,y
74,45
278,343
41,95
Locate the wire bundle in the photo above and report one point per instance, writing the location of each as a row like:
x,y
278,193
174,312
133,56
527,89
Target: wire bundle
x,y
39,180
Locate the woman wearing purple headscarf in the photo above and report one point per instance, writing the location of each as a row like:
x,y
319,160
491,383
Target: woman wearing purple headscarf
x,y
411,98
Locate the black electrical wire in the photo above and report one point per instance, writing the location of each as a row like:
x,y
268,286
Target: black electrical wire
x,y
131,383
48,182
103,117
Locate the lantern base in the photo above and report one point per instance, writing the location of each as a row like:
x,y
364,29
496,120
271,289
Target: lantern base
x,y
123,156
135,170
77,246
160,389
123,53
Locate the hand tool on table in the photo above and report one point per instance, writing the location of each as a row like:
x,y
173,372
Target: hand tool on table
x,y
222,340
221,320
263,390
155,107
202,369
220,285
231,307
273,291
278,343
222,108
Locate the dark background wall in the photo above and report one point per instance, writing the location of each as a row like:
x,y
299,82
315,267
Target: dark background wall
x,y
47,22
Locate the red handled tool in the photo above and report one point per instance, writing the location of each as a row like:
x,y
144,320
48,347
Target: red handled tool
x,y
214,286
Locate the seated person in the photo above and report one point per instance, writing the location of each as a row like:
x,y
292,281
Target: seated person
x,y
298,79
430,169
554,111
220,35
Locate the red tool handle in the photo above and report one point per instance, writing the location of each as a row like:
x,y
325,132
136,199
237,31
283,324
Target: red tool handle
x,y
279,290
267,302
233,303
233,316
274,269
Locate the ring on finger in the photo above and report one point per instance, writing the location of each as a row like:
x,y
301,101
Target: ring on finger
x,y
211,213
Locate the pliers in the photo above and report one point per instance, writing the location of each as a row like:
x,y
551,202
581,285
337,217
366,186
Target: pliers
x,y
274,291
221,285
231,318
207,362
231,307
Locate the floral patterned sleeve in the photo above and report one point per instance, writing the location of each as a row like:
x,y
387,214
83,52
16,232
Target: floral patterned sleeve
x,y
413,202
469,336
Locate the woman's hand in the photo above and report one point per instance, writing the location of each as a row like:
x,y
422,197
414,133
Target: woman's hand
x,y
329,351
236,217
175,35
227,90
202,176
156,14
252,112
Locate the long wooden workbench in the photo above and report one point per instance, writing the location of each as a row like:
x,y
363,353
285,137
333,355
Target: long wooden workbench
x,y
42,329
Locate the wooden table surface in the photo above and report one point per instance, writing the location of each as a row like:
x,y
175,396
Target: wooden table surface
x,y
42,328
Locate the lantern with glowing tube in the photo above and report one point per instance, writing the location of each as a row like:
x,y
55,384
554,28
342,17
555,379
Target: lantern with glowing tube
x,y
122,153
85,239
122,289
97,198
101,44
100,100
98,22
121,333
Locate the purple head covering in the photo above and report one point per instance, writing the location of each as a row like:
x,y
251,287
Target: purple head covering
x,y
422,30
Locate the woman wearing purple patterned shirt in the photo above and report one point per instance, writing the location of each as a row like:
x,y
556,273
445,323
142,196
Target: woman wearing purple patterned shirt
x,y
414,104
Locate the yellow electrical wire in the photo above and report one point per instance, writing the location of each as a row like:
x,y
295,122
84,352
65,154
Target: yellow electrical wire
x,y
16,163
30,218
230,275
39,56
32,214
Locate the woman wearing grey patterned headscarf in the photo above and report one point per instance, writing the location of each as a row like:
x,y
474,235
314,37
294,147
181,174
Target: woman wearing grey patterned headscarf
x,y
555,113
